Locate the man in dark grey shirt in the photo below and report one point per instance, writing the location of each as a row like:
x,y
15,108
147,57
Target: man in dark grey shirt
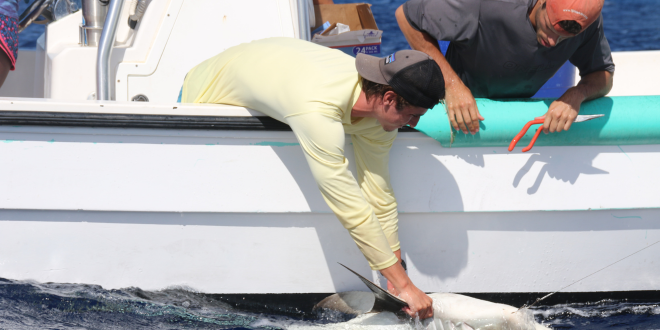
x,y
510,48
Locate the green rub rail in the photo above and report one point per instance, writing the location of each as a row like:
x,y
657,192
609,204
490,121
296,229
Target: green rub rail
x,y
628,120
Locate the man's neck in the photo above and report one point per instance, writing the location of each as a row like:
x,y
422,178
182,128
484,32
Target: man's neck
x,y
363,107
532,13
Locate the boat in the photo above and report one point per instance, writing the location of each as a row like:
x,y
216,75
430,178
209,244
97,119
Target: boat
x,y
107,180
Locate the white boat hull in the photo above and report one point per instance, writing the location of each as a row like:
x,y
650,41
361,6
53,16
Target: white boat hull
x,y
239,212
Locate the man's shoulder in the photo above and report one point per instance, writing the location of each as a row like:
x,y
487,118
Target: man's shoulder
x,y
467,5
450,20
285,44
458,20
445,8
307,58
594,29
504,8
527,3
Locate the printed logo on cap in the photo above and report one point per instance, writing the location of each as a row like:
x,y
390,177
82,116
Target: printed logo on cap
x,y
389,59
576,12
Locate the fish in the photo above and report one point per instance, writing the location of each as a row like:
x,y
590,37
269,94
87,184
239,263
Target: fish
x,y
451,311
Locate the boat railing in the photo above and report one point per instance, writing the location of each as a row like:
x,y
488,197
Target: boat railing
x,y
304,27
106,44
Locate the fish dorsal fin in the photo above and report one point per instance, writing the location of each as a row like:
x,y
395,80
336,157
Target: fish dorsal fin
x,y
385,302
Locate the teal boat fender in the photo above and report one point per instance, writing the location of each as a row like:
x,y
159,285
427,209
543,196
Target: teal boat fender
x,y
627,120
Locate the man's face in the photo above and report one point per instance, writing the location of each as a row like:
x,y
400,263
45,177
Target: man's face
x,y
392,119
546,34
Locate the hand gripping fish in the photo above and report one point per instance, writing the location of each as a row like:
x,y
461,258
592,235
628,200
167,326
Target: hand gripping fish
x,y
450,311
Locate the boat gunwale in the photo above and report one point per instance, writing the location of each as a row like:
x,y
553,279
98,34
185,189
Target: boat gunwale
x,y
145,120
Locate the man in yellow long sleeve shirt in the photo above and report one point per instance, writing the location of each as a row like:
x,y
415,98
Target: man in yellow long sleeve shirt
x,y
324,94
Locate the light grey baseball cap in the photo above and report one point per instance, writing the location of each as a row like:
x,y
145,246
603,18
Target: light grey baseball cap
x,y
413,75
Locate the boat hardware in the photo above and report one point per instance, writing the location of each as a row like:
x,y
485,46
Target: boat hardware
x,y
578,119
94,13
137,9
550,294
33,12
140,98
45,11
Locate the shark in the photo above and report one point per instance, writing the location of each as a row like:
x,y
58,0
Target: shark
x,y
450,311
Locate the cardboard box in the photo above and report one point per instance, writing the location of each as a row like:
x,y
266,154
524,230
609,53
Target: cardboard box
x,y
364,36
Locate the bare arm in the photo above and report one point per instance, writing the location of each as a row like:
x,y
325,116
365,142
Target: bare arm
x,y
461,106
596,84
418,301
563,111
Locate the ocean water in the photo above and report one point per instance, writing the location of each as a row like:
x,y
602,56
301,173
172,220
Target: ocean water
x,y
28,305
629,24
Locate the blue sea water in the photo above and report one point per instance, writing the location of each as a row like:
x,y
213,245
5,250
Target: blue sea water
x,y
27,305
629,25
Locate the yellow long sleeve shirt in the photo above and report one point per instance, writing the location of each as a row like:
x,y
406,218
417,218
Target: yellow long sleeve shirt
x,y
313,89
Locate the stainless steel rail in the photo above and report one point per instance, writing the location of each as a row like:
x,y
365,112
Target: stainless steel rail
x,y
303,20
106,44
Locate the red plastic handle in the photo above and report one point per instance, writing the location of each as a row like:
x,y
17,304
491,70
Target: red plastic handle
x,y
522,133
531,144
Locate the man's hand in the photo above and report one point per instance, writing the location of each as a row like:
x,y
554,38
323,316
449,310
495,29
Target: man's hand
x,y
399,284
565,109
462,108
420,304
560,116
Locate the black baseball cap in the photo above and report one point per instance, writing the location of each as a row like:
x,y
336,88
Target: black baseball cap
x,y
413,75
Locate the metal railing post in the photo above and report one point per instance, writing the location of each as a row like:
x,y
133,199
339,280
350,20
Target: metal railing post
x,y
303,20
105,50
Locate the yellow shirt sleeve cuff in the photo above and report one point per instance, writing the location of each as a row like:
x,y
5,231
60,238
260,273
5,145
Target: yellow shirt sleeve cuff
x,y
386,264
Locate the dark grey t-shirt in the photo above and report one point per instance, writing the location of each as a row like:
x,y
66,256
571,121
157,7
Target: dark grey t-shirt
x,y
494,49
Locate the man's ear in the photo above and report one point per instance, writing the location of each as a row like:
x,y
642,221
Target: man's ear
x,y
389,98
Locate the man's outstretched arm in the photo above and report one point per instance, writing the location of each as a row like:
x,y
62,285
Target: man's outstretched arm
x,y
563,111
461,106
371,159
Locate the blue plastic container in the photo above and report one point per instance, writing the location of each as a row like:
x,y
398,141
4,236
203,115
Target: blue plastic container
x,y
559,83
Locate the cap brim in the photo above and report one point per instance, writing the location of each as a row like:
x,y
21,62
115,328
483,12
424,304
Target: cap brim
x,y
369,68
